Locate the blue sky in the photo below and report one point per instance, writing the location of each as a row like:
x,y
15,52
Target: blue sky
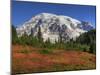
x,y
23,11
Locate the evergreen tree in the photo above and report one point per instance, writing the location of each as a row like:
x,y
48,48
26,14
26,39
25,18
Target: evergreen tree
x,y
39,34
92,48
88,38
60,37
14,34
31,35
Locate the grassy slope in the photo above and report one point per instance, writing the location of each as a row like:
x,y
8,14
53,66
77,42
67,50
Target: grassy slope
x,y
27,59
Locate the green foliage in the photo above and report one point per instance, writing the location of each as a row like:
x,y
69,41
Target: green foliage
x,y
14,34
25,51
46,51
88,38
92,48
84,48
39,34
86,42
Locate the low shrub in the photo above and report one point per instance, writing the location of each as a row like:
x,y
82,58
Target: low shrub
x,y
45,51
25,51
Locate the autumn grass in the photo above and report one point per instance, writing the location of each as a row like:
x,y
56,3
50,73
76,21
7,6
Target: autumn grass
x,y
34,60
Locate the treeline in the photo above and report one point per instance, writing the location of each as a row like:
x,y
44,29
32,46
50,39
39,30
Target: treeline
x,y
86,42
88,38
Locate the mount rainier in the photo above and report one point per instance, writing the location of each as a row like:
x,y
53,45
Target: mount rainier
x,y
53,26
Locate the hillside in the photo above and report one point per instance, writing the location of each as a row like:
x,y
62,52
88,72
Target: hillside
x,y
27,59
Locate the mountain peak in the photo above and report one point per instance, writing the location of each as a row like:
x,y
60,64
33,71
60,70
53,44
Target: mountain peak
x,y
45,13
53,26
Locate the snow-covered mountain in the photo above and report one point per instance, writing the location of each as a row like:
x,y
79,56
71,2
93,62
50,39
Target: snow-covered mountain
x,y
53,27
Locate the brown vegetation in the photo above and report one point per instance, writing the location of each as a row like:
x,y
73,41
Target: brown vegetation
x,y
27,59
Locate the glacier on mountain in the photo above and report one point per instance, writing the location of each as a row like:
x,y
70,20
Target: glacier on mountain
x,y
52,26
